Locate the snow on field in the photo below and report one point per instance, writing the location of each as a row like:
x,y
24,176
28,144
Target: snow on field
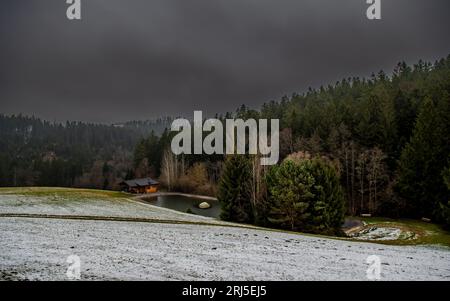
x,y
91,206
377,233
37,248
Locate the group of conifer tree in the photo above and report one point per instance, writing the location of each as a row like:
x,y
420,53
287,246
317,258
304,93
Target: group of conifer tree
x,y
378,146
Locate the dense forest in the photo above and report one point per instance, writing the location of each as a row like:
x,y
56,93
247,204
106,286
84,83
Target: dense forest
x,y
74,154
387,138
378,145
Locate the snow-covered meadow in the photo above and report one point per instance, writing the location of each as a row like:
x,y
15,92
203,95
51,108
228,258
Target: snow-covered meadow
x,y
37,248
73,202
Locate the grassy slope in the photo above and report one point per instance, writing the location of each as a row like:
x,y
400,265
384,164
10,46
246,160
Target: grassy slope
x,y
73,193
427,233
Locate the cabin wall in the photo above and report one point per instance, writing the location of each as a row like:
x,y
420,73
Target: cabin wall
x,y
151,189
146,189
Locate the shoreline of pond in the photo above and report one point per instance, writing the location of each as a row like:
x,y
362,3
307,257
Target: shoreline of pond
x,y
163,193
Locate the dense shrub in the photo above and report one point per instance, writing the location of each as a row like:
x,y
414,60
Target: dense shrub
x,y
196,180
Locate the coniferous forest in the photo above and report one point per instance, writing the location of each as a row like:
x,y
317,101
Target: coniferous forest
x,y
378,145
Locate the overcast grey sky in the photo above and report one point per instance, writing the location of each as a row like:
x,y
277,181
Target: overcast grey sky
x,y
139,59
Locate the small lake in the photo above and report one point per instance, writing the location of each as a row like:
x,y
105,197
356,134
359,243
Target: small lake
x,y
183,204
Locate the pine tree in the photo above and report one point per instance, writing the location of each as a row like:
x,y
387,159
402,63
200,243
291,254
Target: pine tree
x,y
306,195
139,153
328,208
421,163
234,190
289,186
445,207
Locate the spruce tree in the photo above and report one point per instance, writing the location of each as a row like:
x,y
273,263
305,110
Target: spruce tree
x,y
446,206
424,158
328,208
234,190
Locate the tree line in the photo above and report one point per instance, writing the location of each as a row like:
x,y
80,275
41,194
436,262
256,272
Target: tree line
x,y
380,144
34,152
385,137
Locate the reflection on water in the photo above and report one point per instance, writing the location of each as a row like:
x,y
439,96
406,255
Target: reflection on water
x,y
184,204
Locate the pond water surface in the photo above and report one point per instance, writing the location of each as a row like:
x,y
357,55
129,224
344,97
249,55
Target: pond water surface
x,y
183,203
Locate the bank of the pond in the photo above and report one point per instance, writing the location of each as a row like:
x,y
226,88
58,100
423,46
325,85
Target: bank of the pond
x,y
163,193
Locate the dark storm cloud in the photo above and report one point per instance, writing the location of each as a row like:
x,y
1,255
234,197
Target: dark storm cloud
x,y
138,59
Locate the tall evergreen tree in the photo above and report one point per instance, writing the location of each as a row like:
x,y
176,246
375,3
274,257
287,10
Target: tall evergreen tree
x,y
289,186
424,159
234,190
306,195
328,209
445,207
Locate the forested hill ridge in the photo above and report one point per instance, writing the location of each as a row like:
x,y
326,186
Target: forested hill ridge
x,y
387,136
146,127
390,135
38,152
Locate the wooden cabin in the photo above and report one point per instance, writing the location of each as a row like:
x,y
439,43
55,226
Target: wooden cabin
x,y
144,185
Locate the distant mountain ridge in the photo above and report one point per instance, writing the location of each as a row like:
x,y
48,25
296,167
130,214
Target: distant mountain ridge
x,y
145,127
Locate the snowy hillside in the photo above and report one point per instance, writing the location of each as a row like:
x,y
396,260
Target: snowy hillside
x,y
36,248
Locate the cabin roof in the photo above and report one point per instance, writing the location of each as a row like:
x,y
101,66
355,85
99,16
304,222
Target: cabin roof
x,y
140,182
